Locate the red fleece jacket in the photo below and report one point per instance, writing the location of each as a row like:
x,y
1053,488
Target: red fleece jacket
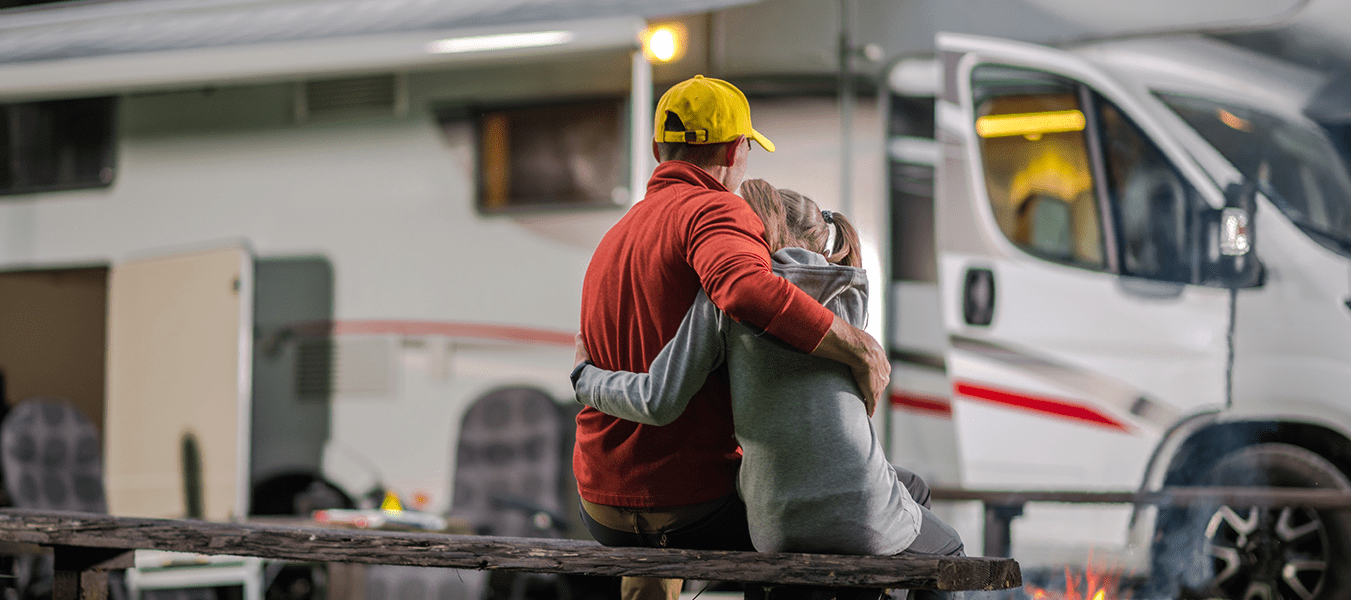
x,y
688,233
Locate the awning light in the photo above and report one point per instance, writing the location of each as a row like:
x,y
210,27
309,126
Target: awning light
x,y
504,41
664,43
1032,125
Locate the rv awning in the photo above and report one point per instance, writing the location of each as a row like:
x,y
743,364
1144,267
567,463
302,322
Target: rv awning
x,y
126,45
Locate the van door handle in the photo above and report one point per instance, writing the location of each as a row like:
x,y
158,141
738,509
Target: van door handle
x,y
978,297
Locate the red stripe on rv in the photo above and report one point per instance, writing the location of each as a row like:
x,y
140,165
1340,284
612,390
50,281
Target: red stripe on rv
x,y
934,405
446,328
1050,406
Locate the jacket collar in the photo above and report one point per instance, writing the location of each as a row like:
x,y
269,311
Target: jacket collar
x,y
674,172
842,289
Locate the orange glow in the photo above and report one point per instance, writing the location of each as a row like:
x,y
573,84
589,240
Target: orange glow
x,y
1096,583
1234,120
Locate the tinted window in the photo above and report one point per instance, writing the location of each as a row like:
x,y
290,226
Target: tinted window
x,y
1053,165
56,145
911,152
567,154
1037,164
1297,167
1158,214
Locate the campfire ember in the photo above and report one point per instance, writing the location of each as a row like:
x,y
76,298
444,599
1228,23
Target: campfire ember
x,y
1095,583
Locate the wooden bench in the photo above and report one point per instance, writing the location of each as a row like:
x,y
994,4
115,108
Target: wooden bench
x,y
85,546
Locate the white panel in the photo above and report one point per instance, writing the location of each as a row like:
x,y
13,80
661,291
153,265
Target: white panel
x,y
916,308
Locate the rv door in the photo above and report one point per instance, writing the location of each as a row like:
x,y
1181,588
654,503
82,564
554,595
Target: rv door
x,y
1069,250
180,331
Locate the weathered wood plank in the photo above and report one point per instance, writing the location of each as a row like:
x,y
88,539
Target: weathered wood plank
x,y
315,544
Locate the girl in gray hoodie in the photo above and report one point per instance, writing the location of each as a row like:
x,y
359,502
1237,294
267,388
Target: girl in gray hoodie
x,y
813,475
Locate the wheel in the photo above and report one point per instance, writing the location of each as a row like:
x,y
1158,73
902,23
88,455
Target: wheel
x,y
1255,553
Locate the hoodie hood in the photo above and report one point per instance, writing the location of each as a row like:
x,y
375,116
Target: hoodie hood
x,y
843,290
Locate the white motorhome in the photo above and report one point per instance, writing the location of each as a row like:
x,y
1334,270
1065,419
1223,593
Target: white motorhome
x,y
299,268
276,251
293,242
1134,271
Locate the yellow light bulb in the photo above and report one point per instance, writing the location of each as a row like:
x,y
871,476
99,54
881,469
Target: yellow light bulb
x,y
664,43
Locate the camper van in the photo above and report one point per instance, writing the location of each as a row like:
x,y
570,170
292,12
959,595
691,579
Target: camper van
x,y
1121,266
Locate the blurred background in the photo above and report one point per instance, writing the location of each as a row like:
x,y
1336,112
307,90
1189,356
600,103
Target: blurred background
x,y
321,260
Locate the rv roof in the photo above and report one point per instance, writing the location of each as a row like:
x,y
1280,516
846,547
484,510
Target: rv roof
x,y
59,31
115,46
1205,66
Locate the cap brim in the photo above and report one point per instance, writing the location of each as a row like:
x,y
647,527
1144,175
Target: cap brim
x,y
762,140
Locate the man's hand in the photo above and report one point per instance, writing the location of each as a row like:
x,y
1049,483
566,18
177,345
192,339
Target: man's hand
x,y
865,357
581,355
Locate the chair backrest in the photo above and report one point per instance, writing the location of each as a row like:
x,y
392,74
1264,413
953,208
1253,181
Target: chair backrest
x,y
51,457
510,457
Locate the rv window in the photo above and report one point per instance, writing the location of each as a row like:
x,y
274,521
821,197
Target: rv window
x,y
1036,163
1158,215
549,156
56,145
14,3
1297,167
911,153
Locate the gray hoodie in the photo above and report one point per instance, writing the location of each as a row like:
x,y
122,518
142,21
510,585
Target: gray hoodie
x,y
814,476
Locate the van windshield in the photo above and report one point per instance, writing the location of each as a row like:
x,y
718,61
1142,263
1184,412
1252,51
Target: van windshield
x,y
1296,167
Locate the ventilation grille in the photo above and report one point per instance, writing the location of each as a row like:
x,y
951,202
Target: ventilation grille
x,y
352,96
327,367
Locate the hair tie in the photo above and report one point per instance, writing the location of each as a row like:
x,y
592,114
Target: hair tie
x,y
830,232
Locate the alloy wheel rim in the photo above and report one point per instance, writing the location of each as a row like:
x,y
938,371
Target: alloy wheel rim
x,y
1277,553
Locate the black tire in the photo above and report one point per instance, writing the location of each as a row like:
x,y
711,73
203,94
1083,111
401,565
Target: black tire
x,y
1253,553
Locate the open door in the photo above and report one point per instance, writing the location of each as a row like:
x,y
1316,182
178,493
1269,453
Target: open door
x,y
179,341
54,326
1070,261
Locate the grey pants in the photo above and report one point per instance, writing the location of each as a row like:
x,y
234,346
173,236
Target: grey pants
x,y
935,536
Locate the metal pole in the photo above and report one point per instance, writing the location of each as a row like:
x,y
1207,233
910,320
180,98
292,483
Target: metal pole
x,y
846,95
640,127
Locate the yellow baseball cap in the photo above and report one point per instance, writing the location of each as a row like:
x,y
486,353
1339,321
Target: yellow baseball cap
x,y
711,110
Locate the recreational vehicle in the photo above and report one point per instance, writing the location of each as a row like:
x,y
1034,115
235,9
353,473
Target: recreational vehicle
x,y
1121,266
277,251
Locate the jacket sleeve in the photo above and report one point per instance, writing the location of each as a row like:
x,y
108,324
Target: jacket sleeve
x,y
679,370
727,251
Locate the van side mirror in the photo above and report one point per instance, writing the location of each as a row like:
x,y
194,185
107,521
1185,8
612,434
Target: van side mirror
x,y
1230,240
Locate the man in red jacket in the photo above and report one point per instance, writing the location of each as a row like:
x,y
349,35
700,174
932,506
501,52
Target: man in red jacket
x,y
675,485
